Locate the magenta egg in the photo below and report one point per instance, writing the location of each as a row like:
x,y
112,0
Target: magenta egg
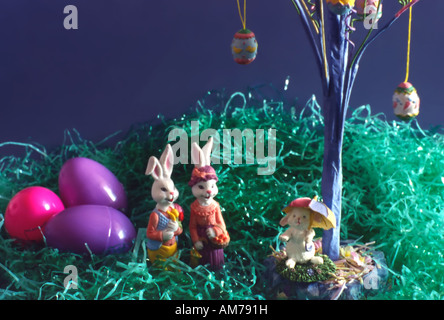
x,y
85,181
95,228
29,210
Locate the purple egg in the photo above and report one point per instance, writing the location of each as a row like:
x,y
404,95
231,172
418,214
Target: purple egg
x,y
104,230
85,181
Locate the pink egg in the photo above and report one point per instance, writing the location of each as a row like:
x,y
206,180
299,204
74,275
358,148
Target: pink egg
x,y
85,181
29,210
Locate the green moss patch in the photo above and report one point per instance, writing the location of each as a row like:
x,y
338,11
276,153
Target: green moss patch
x,y
307,272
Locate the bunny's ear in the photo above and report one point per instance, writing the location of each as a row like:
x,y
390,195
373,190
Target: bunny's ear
x,y
208,147
284,221
197,155
167,161
154,168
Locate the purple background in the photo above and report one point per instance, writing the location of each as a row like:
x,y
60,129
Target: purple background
x,y
131,60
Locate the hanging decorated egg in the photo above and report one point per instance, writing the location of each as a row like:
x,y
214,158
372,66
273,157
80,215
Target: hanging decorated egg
x,y
340,7
29,210
365,8
244,46
406,101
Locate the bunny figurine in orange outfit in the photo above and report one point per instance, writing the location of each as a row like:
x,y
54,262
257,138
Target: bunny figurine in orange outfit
x,y
207,226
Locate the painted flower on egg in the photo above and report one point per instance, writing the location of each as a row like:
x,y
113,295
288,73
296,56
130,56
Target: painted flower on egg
x,y
406,101
340,7
244,46
368,7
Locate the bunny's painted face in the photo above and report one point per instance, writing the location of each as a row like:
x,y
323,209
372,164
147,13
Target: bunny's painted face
x,y
298,218
205,191
164,192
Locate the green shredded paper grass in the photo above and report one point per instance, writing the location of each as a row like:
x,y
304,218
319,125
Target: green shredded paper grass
x,y
393,194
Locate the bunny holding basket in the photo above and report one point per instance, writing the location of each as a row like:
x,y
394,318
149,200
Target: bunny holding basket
x,y
207,226
164,224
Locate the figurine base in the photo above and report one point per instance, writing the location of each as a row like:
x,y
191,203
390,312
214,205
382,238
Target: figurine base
x,y
307,272
352,286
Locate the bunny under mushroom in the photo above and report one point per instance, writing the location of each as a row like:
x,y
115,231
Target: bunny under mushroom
x,y
304,214
164,222
207,226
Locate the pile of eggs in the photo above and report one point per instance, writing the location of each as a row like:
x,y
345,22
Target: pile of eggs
x,y
87,217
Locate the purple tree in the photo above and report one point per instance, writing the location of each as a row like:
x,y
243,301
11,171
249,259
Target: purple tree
x,y
328,25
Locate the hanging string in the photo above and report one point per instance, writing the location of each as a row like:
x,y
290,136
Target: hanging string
x,y
324,46
408,45
244,19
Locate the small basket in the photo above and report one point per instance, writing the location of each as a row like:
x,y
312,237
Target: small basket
x,y
222,240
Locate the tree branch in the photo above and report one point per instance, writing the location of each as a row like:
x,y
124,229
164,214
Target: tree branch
x,y
357,58
364,46
320,9
308,27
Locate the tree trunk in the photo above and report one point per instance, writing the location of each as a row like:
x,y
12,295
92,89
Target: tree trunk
x,y
337,83
332,175
334,110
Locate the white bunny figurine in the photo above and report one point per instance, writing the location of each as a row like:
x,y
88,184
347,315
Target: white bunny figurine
x,y
164,222
299,237
207,226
